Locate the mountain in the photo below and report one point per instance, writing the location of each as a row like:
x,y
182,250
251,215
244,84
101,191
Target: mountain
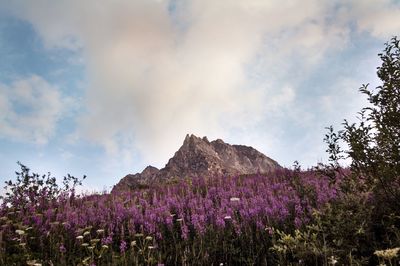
x,y
200,157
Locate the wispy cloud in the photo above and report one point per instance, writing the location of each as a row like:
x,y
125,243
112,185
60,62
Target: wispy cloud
x,y
160,69
29,110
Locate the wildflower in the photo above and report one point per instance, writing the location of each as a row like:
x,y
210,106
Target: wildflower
x,y
220,222
234,199
104,247
94,241
85,245
88,228
228,217
387,254
152,247
179,220
79,237
20,232
33,263
100,231
149,238
133,243
86,233
62,249
185,232
333,260
269,230
122,246
106,241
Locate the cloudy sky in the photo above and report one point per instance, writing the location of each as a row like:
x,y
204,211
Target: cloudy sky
x,y
106,89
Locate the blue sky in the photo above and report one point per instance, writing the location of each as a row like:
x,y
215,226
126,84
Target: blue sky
x,y
105,90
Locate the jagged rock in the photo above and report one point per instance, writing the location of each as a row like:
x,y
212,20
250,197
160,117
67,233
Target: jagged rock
x,y
199,157
138,179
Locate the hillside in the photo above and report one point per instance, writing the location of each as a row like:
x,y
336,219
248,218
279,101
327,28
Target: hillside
x,y
200,157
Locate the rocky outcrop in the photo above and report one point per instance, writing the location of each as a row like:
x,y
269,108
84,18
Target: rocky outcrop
x,y
200,157
136,180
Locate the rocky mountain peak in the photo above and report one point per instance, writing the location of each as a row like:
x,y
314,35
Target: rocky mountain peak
x,y
193,142
149,171
200,157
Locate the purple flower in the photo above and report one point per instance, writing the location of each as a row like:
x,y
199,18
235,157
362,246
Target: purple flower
x,y
123,246
62,249
107,240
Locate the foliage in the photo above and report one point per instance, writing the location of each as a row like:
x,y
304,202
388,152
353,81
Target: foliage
x,y
374,142
196,221
373,146
389,255
340,231
35,190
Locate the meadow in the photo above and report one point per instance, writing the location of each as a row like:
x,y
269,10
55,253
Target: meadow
x,y
288,217
194,221
327,215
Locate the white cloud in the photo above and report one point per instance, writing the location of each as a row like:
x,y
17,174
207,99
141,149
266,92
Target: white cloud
x,y
155,75
29,110
380,18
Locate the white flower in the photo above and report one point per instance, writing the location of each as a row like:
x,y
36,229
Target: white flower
x,y
228,217
333,260
387,254
234,199
20,232
33,263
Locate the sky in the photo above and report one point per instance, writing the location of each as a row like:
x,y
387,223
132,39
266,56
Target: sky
x,y
105,89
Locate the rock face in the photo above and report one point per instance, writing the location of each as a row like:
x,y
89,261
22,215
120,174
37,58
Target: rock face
x,y
138,179
200,157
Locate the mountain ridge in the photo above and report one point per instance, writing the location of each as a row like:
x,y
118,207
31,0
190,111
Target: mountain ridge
x,y
200,157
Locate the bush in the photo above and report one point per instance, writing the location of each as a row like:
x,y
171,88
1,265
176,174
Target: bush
x,y
374,142
373,146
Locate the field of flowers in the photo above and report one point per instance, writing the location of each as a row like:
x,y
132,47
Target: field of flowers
x,y
326,216
193,221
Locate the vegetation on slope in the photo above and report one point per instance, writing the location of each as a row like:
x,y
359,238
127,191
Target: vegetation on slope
x,y
325,216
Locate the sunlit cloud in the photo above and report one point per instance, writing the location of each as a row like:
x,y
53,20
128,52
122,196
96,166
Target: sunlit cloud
x,y
157,70
29,110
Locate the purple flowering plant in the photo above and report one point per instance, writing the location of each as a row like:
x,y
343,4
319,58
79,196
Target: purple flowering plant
x,y
213,215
